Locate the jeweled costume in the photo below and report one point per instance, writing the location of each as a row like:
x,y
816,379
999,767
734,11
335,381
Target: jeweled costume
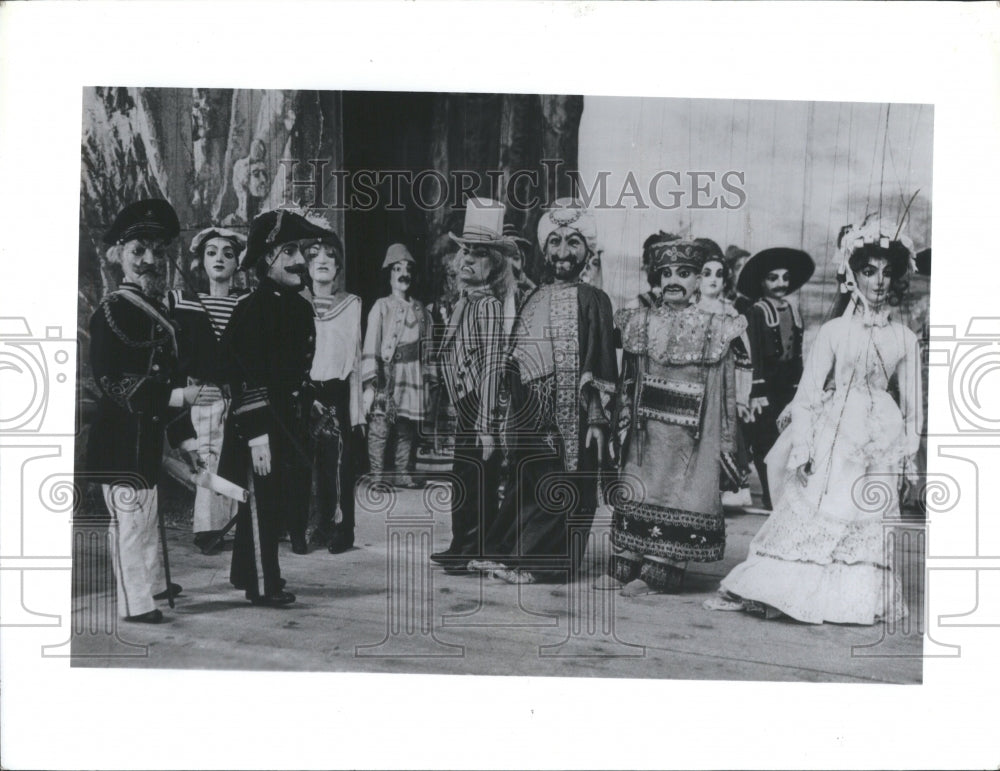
x,y
562,377
677,414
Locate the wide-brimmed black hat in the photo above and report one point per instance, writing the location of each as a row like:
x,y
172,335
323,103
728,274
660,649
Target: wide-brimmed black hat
x,y
923,260
279,226
152,218
799,265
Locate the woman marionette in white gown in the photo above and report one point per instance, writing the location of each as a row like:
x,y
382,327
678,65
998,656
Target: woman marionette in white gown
x,y
821,555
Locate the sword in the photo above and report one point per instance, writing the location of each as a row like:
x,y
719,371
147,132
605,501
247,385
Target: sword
x,y
223,486
166,558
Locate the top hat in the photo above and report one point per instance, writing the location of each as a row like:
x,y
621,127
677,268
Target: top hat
x,y
484,226
152,218
276,227
800,268
238,239
571,214
397,253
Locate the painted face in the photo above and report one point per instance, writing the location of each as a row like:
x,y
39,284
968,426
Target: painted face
x,y
474,265
257,184
679,282
592,270
322,259
286,265
713,278
776,283
219,259
566,250
451,266
516,264
144,262
401,276
873,280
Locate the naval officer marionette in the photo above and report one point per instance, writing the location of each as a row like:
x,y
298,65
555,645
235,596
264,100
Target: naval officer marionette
x,y
133,357
269,343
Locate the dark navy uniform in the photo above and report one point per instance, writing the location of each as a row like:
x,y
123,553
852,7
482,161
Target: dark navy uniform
x,y
775,332
269,344
134,363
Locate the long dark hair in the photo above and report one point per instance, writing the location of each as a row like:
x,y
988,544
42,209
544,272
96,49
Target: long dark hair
x,y
898,256
727,274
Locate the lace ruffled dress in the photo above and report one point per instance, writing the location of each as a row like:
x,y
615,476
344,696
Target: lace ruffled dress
x,y
821,555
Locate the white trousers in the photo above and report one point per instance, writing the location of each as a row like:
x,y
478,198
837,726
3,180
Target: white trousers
x,y
134,548
211,510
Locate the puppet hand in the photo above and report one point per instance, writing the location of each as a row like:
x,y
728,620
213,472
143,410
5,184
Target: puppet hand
x,y
784,419
596,434
487,443
261,455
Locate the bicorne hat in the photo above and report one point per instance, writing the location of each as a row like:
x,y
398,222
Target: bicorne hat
x,y
799,265
276,227
152,218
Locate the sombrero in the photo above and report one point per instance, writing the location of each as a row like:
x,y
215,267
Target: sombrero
x,y
800,268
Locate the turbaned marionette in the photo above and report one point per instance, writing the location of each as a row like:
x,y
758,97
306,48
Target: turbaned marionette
x,y
676,414
562,379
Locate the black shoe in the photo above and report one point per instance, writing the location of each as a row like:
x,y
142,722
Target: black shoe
x,y
443,557
342,540
458,568
205,539
299,545
320,536
175,589
272,600
149,617
242,587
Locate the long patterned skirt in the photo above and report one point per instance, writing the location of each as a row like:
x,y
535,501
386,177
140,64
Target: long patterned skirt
x,y
669,504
